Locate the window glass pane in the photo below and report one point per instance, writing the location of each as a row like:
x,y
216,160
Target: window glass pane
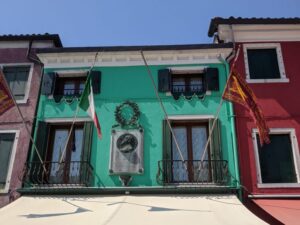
x,y
17,78
178,85
263,64
60,138
196,84
76,153
81,87
6,144
20,85
276,160
179,171
69,88
199,137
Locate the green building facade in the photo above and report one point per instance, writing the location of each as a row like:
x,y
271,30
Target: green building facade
x,y
144,154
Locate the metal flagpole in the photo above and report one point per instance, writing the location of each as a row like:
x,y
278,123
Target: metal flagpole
x,y
163,108
75,116
218,112
23,121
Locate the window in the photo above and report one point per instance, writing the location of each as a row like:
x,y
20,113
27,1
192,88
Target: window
x,y
65,152
69,86
277,161
71,156
69,83
188,81
7,153
264,63
18,79
191,136
187,84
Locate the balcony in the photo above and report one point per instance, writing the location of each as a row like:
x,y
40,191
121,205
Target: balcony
x,y
55,174
193,172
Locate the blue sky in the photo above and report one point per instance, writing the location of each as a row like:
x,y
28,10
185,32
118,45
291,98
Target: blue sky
x,y
131,22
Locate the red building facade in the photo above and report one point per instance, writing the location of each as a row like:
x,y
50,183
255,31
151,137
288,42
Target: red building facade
x,y
269,62
23,73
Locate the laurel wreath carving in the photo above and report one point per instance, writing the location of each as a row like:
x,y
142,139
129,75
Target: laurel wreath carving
x,y
133,120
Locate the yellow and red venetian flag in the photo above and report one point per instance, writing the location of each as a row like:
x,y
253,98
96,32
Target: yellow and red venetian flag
x,y
238,91
6,101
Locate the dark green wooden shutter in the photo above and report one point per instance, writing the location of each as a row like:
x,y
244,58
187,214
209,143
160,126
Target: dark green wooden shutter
x,y
263,64
212,79
87,140
96,81
86,153
48,83
41,141
276,160
215,144
164,80
218,175
167,152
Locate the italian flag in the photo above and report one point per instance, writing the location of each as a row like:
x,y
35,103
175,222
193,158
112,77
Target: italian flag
x,y
87,104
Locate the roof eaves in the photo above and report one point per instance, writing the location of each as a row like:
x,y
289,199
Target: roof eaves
x,y
135,48
215,22
38,37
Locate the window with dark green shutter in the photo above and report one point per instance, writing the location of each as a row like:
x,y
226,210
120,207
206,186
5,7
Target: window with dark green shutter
x,y
263,63
6,145
276,160
69,86
17,78
65,151
187,85
188,82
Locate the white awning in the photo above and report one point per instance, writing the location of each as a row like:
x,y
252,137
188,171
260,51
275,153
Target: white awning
x,y
127,210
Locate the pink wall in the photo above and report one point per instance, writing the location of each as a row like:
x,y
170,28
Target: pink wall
x,y
11,120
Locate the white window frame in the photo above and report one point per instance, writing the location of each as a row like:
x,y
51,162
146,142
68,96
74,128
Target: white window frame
x,y
11,160
282,79
296,158
27,89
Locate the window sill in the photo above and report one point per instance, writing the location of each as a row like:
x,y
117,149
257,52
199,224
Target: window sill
x,y
3,191
23,101
279,185
281,80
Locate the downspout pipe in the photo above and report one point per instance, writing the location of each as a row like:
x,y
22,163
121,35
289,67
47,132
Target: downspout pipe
x,y
232,116
226,63
34,122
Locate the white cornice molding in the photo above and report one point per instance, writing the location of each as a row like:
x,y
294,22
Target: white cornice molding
x,y
259,33
25,44
133,58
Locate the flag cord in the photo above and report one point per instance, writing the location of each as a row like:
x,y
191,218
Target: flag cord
x,y
23,121
217,114
163,108
75,117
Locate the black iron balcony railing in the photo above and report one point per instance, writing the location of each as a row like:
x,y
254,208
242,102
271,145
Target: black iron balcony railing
x,y
69,95
53,174
206,172
188,89
72,91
